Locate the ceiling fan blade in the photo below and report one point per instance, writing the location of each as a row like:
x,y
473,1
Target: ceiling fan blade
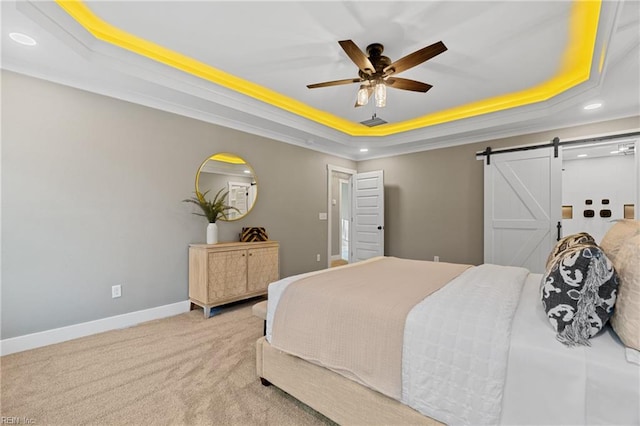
x,y
334,83
415,58
406,84
357,56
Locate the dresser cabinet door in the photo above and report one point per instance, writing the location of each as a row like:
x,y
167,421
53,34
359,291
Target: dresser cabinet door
x,y
227,274
263,268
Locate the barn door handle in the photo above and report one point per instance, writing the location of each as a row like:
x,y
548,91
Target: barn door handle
x,y
559,226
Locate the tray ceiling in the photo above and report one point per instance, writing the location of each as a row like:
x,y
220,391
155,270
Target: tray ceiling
x,y
510,67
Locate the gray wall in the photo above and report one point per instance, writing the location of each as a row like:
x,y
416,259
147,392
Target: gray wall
x,y
92,190
91,197
434,199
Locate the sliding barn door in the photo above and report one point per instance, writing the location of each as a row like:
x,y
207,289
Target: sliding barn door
x,y
522,207
368,216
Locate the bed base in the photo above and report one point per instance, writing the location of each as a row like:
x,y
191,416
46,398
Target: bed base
x,y
340,399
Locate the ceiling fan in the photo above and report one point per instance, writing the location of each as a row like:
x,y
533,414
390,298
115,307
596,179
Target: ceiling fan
x,y
376,71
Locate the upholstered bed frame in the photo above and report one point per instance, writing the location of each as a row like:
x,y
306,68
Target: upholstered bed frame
x,y
342,400
536,361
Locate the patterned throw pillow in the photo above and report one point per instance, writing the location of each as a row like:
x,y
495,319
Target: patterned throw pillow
x,y
566,243
579,293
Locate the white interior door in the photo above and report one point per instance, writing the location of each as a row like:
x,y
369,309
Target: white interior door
x,y
368,216
238,197
522,207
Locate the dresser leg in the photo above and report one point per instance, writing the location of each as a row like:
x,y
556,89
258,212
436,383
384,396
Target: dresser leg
x,y
207,311
265,382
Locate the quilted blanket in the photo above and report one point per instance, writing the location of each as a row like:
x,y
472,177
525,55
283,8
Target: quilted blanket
x,y
456,346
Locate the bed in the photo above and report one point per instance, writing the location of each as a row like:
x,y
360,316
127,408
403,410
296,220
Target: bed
x,y
476,349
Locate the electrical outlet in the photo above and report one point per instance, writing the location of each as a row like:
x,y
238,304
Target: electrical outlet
x,y
317,257
116,291
436,258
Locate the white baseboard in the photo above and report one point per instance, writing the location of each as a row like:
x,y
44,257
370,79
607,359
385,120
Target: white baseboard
x,y
336,257
62,334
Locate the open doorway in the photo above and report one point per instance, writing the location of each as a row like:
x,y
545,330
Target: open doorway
x,y
355,206
345,220
339,217
599,186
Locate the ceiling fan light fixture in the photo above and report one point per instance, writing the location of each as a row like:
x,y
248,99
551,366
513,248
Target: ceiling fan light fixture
x,y
380,92
374,71
363,96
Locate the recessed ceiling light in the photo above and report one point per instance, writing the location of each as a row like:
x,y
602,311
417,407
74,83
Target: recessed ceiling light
x,y
22,39
582,155
594,105
364,149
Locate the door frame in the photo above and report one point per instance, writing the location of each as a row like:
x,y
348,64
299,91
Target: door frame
x,y
330,169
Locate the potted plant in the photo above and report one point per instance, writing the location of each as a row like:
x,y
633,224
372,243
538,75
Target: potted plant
x,y
212,210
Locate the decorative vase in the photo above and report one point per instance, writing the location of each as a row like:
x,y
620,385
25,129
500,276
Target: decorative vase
x,y
212,233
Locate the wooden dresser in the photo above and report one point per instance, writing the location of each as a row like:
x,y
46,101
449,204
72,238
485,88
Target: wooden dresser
x,y
227,272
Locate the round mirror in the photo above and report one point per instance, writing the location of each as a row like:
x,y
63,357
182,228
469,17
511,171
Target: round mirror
x,y
232,174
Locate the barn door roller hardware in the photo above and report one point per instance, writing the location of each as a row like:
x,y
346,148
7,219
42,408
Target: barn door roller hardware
x,y
555,143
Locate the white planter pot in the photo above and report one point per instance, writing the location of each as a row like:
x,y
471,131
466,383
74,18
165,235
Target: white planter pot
x,y
212,233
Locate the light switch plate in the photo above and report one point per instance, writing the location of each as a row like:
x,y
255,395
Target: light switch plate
x,y
322,216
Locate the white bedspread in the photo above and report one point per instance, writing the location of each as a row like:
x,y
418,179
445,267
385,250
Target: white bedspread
x,y
456,344
550,384
544,382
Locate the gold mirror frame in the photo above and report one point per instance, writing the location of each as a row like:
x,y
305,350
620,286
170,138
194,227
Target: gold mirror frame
x,y
228,166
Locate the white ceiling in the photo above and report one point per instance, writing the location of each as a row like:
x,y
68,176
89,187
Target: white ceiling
x,y
494,48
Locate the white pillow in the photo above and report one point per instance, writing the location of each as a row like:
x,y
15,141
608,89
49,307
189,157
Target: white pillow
x,y
621,244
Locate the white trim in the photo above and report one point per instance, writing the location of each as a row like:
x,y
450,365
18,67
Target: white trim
x,y
336,257
62,334
330,169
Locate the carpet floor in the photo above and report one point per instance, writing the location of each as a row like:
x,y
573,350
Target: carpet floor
x,y
183,370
